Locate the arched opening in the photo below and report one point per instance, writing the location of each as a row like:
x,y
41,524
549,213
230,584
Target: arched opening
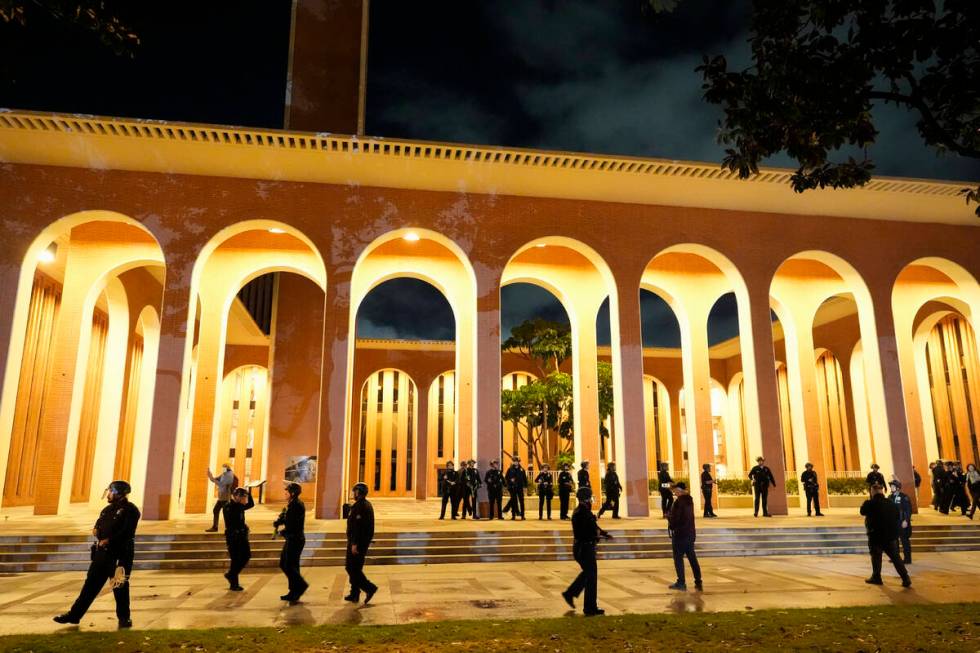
x,y
387,429
662,386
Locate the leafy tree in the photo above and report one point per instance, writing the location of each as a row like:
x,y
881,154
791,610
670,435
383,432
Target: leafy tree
x,y
818,67
542,343
96,16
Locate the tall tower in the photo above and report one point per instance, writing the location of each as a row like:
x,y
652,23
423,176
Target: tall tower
x,y
326,83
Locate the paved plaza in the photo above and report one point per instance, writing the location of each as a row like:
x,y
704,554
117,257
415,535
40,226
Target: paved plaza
x,y
168,599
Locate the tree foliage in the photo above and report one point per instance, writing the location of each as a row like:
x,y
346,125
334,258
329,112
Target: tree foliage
x,y
817,68
100,17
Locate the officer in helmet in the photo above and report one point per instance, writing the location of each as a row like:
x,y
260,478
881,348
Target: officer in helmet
x,y
587,533
290,522
112,556
236,535
360,532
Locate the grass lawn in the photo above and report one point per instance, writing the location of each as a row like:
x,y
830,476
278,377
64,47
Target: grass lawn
x,y
946,627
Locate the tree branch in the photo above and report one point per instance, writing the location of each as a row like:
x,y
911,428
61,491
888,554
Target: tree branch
x,y
917,103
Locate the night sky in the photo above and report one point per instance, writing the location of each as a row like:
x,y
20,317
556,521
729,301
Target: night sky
x,y
600,76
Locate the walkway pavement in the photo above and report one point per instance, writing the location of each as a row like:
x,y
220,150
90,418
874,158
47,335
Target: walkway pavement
x,y
167,599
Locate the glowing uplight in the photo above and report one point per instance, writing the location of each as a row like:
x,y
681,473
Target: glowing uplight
x,y
276,230
540,245
411,237
48,254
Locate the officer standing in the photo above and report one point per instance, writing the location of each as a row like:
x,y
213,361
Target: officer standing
x,y
583,475
516,479
874,477
449,481
360,532
236,535
665,484
291,521
469,480
881,522
475,483
762,478
904,505
226,483
565,486
937,481
546,491
494,481
811,486
707,488
612,488
112,556
586,532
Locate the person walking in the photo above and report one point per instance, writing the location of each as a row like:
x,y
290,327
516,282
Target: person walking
x,y
811,486
707,488
904,505
874,477
360,532
881,522
111,558
936,471
236,535
762,479
586,533
470,484
494,481
680,528
448,489
565,486
291,522
665,484
612,489
961,499
226,483
947,491
546,492
516,479
916,481
973,483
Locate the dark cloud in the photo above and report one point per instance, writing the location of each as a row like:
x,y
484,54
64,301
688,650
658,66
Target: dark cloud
x,y
406,309
524,301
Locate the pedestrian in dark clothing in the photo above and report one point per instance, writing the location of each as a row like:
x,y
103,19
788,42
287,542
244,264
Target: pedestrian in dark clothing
x,y
811,486
583,475
882,523
904,505
226,483
948,488
762,479
291,525
973,482
680,527
494,481
916,480
937,470
360,532
960,498
545,489
565,487
874,477
236,535
612,489
450,479
586,532
470,484
707,489
111,556
516,479
665,485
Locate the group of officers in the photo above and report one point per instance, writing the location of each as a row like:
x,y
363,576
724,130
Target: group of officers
x,y
888,522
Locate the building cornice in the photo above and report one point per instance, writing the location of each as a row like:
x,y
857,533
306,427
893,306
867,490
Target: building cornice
x,y
180,148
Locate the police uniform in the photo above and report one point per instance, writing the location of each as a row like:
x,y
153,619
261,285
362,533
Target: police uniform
x,y
494,481
236,537
761,477
874,477
360,532
612,489
565,486
546,492
117,527
904,506
450,478
292,519
707,489
811,487
664,482
516,479
586,532
471,486
881,521
583,478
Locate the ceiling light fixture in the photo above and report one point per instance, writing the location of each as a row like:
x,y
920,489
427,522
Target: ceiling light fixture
x,y
411,237
276,230
48,254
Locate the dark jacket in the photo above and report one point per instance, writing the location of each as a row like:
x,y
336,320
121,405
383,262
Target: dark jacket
x,y
663,477
234,513
117,523
450,481
472,477
761,475
565,482
516,478
360,524
583,478
544,482
880,519
292,519
610,485
494,480
680,519
875,478
706,481
809,480
904,505
585,529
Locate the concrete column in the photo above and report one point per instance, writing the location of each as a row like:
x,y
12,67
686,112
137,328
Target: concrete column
x,y
488,372
697,397
628,392
767,393
585,385
334,399
422,439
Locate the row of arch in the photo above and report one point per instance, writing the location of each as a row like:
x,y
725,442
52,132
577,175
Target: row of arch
x,y
87,332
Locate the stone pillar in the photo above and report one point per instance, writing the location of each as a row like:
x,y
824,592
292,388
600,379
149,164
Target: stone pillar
x,y
697,398
488,373
334,399
422,439
585,382
628,393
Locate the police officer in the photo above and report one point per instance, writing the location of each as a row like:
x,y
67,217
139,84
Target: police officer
x,y
811,486
236,535
948,485
471,486
937,482
612,488
665,485
762,478
494,481
291,522
112,556
360,532
904,505
707,488
450,479
881,521
583,475
874,477
546,491
586,532
516,479
565,486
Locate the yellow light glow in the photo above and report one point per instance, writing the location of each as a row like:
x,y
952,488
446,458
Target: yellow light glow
x,y
411,237
47,255
276,230
540,245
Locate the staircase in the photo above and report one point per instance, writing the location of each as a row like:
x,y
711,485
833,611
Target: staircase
x,y
27,553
